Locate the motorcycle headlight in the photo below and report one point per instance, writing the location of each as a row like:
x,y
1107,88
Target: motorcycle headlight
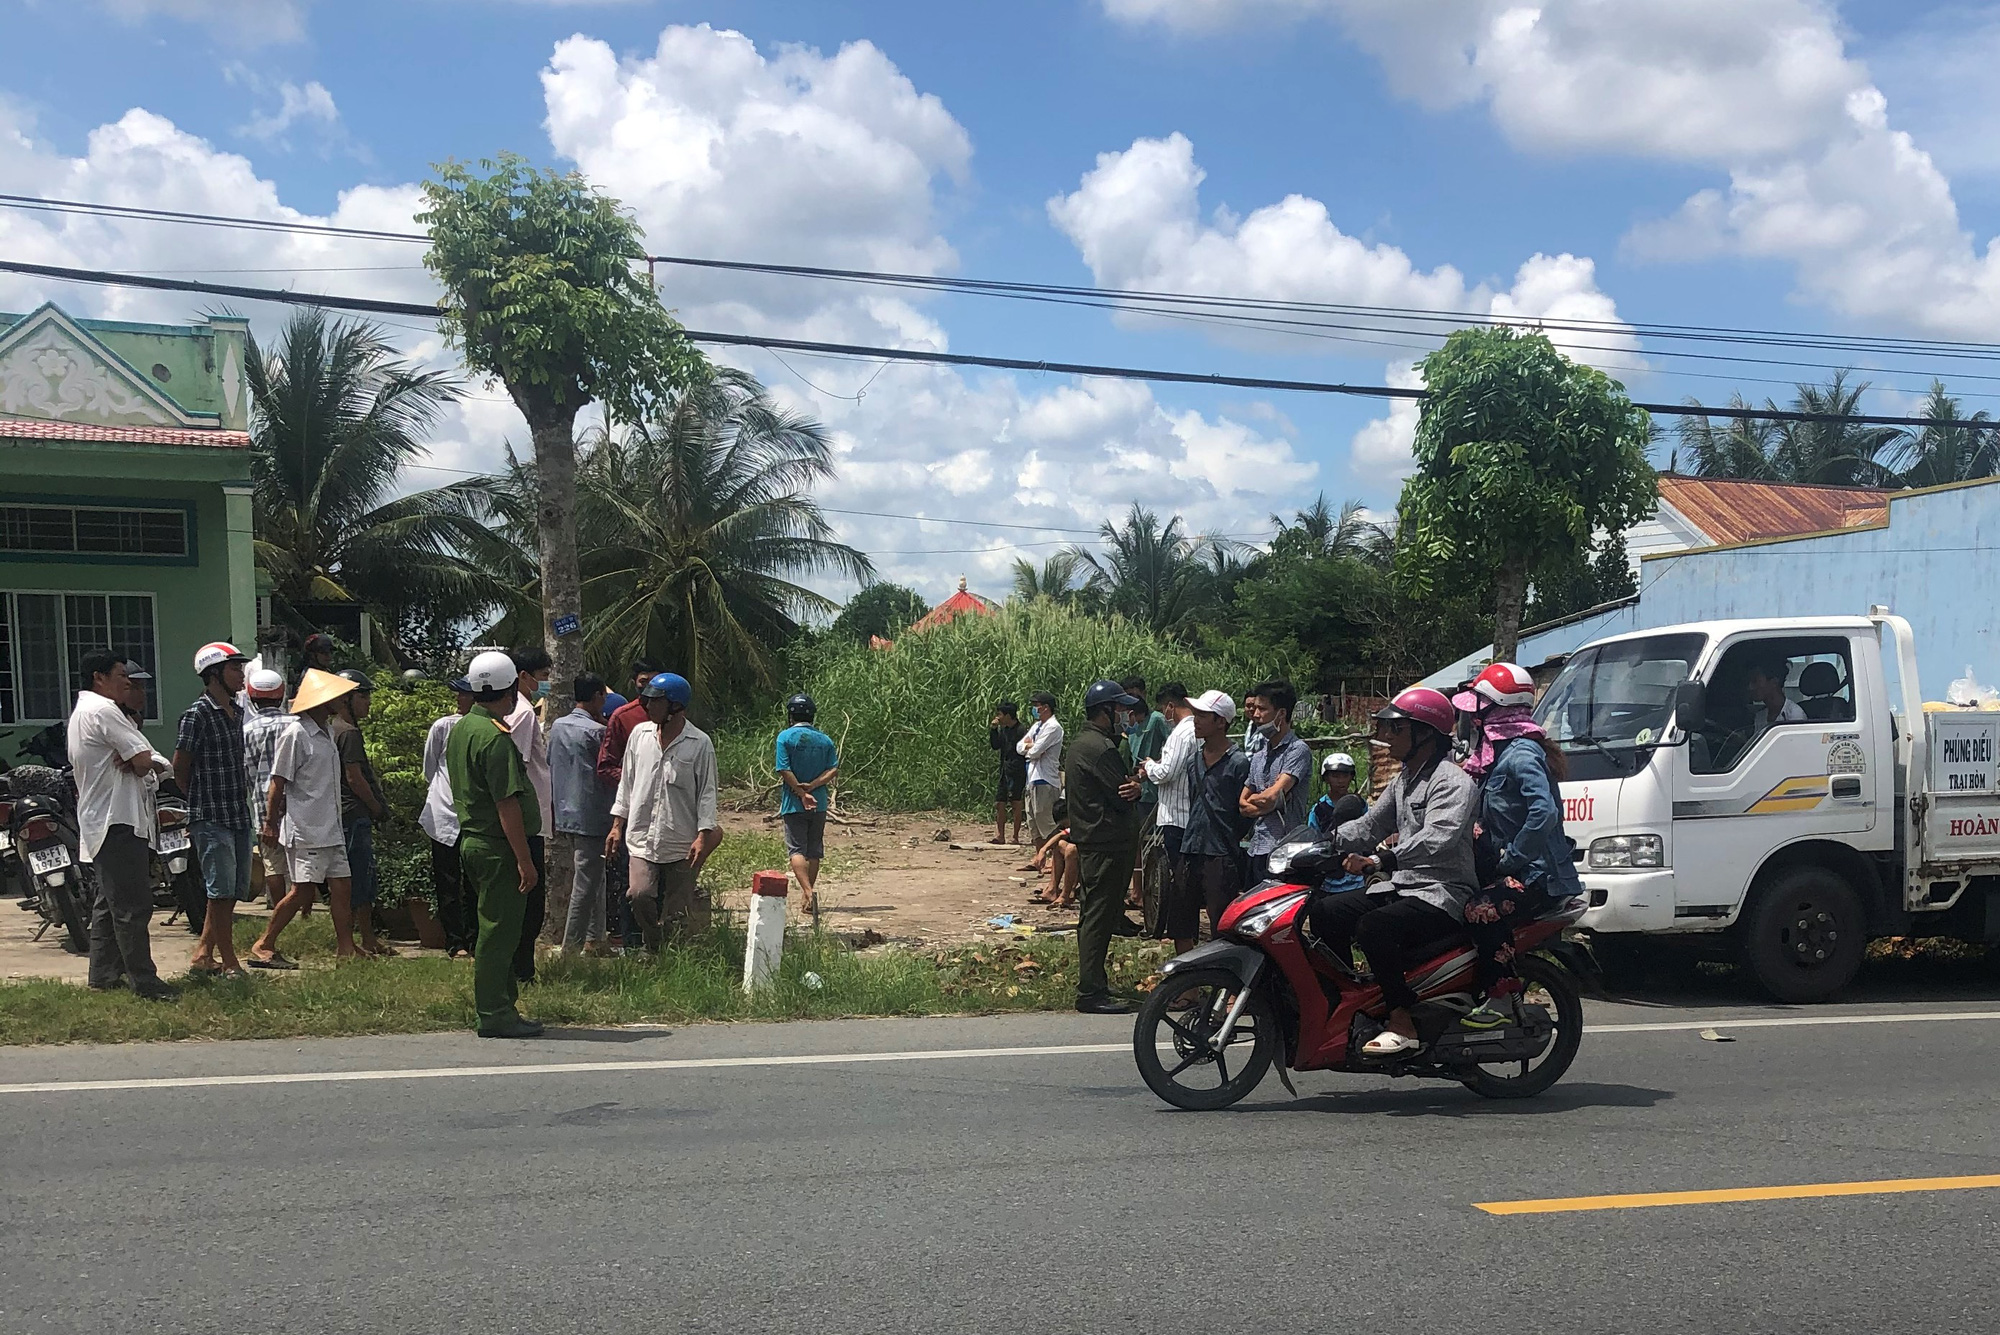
x,y
1628,850
1280,858
1260,922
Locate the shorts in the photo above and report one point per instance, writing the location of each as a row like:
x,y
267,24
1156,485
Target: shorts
x,y
223,855
267,860
805,834
1012,784
361,861
316,866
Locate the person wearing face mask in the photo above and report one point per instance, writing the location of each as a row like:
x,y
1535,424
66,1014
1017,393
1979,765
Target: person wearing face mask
x,y
1103,823
524,726
1280,773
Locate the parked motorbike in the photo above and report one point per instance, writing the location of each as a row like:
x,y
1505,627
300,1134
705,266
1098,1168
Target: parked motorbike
x,y
1264,993
176,884
41,821
48,745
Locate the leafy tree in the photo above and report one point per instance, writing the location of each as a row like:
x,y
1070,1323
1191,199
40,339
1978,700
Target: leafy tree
x,y
1063,578
1605,577
1522,454
877,609
334,419
541,292
695,525
1840,454
1934,456
1148,572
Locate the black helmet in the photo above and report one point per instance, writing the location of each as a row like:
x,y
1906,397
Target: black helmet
x,y
362,686
1103,693
800,708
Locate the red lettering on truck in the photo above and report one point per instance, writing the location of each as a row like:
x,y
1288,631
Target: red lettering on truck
x,y
1972,827
1580,808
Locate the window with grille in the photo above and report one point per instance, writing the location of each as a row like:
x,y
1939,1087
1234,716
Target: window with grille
x,y
117,531
43,636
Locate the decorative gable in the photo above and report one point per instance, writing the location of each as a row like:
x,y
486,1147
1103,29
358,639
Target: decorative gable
x,y
51,368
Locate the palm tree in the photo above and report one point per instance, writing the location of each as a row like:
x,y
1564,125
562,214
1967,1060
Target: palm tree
x,y
693,527
1318,531
1831,453
1148,573
335,419
1934,456
1062,578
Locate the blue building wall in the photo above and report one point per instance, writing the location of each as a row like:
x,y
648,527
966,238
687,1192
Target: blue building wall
x,y
1937,563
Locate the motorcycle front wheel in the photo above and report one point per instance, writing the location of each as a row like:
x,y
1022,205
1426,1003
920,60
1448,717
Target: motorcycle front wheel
x,y
1173,1040
1548,985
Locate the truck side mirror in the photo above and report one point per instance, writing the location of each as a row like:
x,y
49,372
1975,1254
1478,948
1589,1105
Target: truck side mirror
x,y
1690,706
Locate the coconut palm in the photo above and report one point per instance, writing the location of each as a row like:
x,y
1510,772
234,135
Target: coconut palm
x,y
693,528
1318,530
1830,453
1149,572
1934,456
335,417
1062,578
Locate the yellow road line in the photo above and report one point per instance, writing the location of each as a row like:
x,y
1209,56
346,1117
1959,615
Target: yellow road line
x,y
1645,1199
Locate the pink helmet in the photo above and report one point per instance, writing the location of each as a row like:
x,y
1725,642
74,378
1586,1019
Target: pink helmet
x,y
1423,705
1499,684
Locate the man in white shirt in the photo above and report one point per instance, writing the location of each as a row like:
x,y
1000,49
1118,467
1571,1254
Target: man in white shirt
x,y
1043,747
458,909
1171,775
533,665
302,812
665,813
117,775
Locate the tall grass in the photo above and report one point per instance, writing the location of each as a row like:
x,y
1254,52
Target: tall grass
x,y
911,720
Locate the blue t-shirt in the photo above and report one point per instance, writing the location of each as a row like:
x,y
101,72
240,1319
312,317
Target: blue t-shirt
x,y
807,753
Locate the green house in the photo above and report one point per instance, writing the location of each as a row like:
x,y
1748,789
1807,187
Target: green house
x,y
124,507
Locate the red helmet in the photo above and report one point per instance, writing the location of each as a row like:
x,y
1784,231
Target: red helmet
x,y
1423,705
1499,684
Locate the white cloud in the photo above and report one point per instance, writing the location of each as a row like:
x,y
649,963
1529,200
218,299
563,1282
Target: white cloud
x,y
1818,175
307,105
1938,76
1381,449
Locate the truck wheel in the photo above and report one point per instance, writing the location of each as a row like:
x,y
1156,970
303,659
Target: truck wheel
x,y
1804,936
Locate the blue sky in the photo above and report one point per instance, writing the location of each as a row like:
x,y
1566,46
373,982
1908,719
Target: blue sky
x,y
1769,163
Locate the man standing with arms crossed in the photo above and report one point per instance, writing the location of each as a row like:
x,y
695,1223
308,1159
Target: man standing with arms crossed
x,y
209,767
1280,773
116,774
1042,746
1104,826
498,814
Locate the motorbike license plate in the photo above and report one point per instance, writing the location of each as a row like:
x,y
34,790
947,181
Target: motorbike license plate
x,y
173,841
43,860
6,841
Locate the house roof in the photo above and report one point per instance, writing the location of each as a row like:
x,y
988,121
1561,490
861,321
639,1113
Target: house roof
x,y
1730,510
952,608
21,428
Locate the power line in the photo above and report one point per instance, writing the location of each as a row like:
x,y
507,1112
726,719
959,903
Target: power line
x,y
370,305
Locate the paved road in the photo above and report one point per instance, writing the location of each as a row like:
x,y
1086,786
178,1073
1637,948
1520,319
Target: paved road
x,y
1014,1194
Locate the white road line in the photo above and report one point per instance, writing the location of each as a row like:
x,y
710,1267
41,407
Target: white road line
x,y
851,1058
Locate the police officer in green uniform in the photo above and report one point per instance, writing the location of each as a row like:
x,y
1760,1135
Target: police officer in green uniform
x,y
497,813
1104,825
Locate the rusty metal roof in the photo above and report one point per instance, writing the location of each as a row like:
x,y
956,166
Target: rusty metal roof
x,y
1731,510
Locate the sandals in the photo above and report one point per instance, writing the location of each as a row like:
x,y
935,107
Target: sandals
x,y
1389,1043
274,960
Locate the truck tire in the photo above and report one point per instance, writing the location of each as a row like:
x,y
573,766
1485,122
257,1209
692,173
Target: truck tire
x,y
1803,937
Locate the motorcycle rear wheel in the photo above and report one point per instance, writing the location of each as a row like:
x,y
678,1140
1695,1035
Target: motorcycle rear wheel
x,y
60,905
1550,985
1198,1078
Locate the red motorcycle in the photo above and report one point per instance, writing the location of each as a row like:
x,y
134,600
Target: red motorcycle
x,y
1262,992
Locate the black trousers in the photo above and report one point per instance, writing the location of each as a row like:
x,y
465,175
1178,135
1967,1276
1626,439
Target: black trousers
x,y
458,905
121,914
1391,930
1105,873
536,910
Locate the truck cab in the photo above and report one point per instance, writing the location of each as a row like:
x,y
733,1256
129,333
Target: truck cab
x,y
1740,790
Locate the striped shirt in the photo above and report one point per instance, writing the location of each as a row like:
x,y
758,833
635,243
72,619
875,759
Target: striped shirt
x,y
260,743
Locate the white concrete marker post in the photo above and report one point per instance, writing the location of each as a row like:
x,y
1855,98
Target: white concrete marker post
x,y
765,944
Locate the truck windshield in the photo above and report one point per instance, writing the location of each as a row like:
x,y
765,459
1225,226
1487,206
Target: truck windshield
x,y
1611,702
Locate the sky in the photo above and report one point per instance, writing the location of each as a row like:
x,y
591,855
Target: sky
x,y
1768,164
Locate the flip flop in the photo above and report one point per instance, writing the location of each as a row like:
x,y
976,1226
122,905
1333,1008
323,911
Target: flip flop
x,y
1389,1043
382,952
276,961
208,971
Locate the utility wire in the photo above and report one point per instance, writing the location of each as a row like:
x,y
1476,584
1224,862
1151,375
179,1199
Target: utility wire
x,y
371,305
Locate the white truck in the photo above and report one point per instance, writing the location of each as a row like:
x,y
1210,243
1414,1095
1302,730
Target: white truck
x,y
1773,792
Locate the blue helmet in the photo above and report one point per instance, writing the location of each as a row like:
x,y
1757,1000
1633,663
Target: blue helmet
x,y
671,685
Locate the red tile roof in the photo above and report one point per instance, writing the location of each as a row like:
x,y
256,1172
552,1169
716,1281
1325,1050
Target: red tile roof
x,y
21,428
1732,510
958,605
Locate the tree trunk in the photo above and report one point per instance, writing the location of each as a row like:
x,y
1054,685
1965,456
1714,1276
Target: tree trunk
x,y
555,522
1510,601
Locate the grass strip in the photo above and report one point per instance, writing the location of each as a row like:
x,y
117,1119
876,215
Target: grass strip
x,y
699,980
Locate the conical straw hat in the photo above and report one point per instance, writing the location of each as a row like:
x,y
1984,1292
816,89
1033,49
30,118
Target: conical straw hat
x,y
318,688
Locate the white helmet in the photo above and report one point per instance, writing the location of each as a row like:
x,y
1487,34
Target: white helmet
x,y
1336,762
492,671
216,653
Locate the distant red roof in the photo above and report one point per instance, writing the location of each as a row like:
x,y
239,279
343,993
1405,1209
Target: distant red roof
x,y
958,605
22,428
1732,510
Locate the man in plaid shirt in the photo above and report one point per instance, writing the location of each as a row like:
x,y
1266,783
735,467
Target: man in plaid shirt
x,y
208,766
267,718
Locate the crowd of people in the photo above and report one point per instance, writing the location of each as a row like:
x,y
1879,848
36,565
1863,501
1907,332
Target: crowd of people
x,y
1468,834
